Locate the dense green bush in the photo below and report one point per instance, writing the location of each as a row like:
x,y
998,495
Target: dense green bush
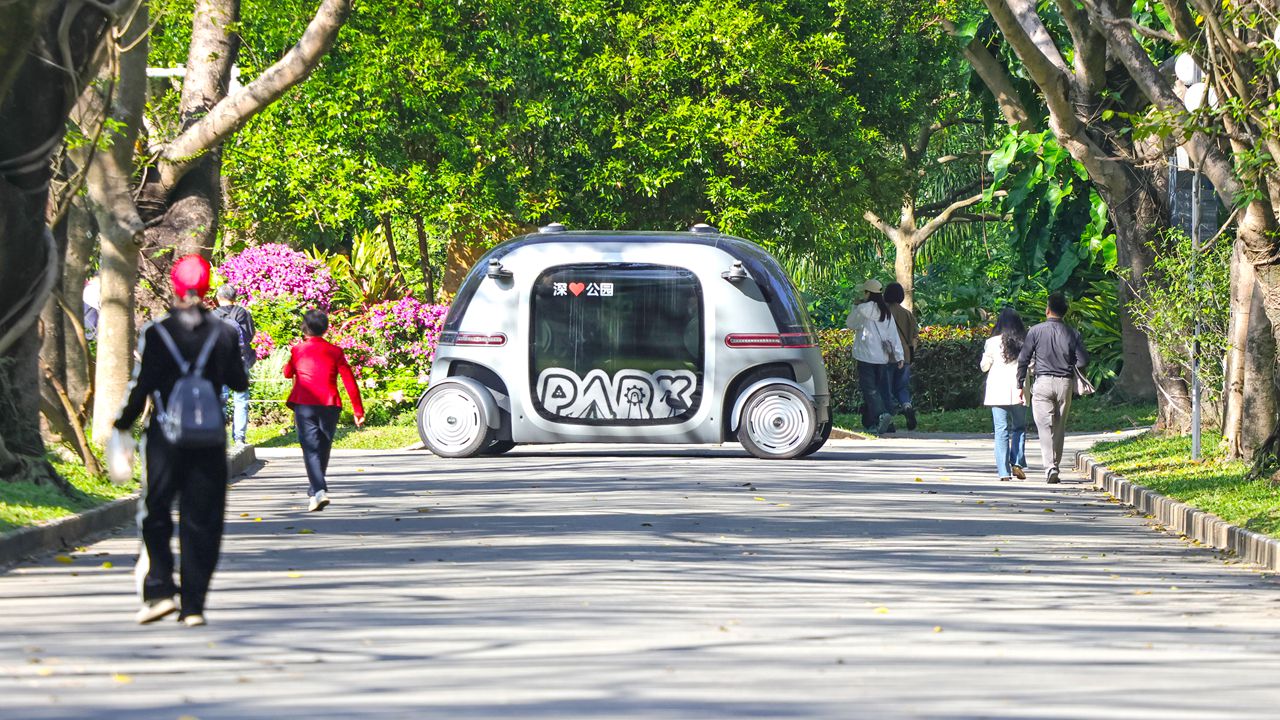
x,y
945,375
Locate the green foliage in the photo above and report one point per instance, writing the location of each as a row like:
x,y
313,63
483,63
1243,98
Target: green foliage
x,y
1215,485
24,503
364,276
1170,307
1096,413
945,374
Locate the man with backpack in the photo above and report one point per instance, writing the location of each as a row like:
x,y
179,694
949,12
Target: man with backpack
x,y
242,320
186,358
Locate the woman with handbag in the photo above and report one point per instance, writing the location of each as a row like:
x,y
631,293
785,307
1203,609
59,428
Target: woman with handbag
x,y
1004,397
877,349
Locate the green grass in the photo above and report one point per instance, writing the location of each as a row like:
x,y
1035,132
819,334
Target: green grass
x,y
24,504
1089,414
1214,484
380,437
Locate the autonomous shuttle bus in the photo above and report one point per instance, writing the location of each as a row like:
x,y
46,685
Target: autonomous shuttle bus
x,y
626,337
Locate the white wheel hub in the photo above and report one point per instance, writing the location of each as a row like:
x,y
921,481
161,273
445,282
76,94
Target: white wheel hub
x,y
452,419
779,423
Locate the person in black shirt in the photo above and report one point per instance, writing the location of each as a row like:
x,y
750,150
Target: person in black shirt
x,y
1058,352
197,477
242,320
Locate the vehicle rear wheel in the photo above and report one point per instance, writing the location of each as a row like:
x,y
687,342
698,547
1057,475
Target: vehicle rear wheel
x,y
778,423
452,422
497,447
824,433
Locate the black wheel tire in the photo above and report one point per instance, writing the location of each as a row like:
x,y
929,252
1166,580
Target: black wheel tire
x,y
452,421
778,423
824,433
497,447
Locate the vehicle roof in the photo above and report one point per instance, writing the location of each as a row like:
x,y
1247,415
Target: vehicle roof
x,y
707,238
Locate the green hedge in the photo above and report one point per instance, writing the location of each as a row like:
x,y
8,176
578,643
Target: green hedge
x,y
945,375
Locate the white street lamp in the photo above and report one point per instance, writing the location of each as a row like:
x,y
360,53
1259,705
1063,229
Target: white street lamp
x,y
1197,93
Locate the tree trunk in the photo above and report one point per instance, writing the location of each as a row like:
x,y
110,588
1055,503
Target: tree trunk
x,y
1136,213
391,244
1242,292
904,265
1261,396
81,237
424,259
122,232
36,95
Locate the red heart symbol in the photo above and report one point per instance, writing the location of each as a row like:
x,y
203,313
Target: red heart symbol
x,y
577,288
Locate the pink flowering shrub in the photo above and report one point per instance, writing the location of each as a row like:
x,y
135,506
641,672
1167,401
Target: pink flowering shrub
x,y
263,344
393,334
274,271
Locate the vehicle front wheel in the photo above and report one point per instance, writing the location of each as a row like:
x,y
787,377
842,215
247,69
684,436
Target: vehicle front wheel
x,y
778,423
452,421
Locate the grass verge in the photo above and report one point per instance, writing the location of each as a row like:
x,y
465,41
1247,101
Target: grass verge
x,y
1214,484
1088,414
349,437
24,504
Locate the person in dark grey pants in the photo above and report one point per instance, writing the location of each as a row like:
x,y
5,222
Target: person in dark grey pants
x,y
1058,352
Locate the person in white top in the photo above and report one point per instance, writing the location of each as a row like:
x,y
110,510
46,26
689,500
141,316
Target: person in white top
x,y
1004,396
878,350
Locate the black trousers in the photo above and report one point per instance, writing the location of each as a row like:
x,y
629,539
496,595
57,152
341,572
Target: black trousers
x,y
316,425
197,479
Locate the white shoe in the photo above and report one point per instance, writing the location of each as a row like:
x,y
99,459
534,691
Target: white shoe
x,y
194,621
153,610
318,501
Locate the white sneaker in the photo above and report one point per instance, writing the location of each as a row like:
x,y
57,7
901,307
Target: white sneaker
x,y
318,501
153,610
194,621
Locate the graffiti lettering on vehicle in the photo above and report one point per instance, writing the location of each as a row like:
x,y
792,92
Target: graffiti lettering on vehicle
x,y
628,395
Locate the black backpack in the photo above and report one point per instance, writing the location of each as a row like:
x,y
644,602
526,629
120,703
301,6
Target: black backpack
x,y
193,417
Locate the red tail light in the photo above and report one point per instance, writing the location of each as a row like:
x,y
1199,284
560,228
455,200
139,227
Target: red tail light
x,y
471,338
770,340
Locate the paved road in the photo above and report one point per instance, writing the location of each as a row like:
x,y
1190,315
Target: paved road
x,y
880,579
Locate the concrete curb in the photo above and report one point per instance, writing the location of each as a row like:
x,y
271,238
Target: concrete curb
x,y
842,434
74,530
1206,528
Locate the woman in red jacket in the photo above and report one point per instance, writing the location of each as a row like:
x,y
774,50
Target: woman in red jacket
x,y
314,365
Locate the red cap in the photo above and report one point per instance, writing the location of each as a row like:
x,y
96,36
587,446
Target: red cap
x,y
190,274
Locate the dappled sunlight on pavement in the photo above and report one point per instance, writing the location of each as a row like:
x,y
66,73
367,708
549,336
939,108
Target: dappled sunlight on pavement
x,y
888,578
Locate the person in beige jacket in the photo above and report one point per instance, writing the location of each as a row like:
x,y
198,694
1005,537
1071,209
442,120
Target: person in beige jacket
x,y
1004,396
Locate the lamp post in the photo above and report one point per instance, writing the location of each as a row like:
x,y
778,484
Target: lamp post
x,y
1196,95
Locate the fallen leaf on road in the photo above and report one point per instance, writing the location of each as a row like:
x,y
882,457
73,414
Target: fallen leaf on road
x,y
882,610
937,628
44,671
919,479
1141,592
306,531
295,575
107,565
64,559
257,519
758,498
244,514
1050,510
424,509
122,678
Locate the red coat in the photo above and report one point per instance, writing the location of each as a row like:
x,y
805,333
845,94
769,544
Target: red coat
x,y
314,365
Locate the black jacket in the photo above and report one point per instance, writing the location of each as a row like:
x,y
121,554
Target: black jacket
x,y
1057,350
157,370
243,320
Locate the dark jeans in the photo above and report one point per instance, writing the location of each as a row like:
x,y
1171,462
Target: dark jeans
x,y
197,478
901,384
316,425
876,383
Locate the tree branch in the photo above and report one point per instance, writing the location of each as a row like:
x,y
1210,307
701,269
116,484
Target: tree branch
x,y
1090,57
945,216
879,224
236,109
997,79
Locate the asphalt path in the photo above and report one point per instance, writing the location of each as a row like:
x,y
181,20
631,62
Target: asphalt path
x,y
878,579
